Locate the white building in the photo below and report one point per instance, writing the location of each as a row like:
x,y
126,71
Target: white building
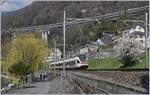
x,y
54,55
137,33
148,42
99,42
83,11
137,28
84,50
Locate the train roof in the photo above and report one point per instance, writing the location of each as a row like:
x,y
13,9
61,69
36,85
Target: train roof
x,y
66,60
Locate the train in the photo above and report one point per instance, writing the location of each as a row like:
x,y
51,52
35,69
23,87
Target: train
x,y
79,62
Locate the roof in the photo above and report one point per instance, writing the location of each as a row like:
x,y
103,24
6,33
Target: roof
x,y
99,42
66,60
108,32
138,33
136,28
106,39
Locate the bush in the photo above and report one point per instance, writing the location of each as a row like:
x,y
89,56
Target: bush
x,y
20,69
130,52
128,57
106,46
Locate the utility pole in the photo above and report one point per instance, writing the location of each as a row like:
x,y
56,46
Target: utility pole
x,y
64,34
54,54
146,49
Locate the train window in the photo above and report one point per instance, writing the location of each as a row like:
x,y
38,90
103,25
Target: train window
x,y
82,57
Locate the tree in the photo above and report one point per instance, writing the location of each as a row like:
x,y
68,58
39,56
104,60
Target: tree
x,y
29,50
106,25
20,69
120,24
130,51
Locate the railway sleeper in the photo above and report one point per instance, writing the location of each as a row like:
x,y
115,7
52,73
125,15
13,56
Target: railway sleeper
x,y
88,89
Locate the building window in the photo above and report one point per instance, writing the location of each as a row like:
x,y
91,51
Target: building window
x,y
142,41
139,28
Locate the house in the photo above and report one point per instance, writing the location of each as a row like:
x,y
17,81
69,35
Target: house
x,y
99,42
137,33
93,46
148,42
92,49
106,39
83,11
139,36
127,32
84,50
54,55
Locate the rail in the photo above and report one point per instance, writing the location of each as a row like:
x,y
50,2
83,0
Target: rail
x,y
107,86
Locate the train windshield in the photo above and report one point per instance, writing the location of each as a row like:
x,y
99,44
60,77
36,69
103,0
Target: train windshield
x,y
82,57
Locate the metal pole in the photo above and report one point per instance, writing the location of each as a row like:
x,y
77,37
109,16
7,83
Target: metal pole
x,y
64,30
55,54
146,19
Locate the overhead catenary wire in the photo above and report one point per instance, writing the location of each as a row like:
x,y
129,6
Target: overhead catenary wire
x,y
79,21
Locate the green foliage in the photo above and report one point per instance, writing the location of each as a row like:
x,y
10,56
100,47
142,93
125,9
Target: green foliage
x,y
29,50
4,67
130,52
142,63
98,31
129,58
115,63
108,63
42,13
5,44
105,46
14,80
110,26
20,69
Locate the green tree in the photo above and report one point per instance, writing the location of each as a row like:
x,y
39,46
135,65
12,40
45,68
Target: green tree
x,y
120,24
104,25
114,27
130,51
28,49
20,70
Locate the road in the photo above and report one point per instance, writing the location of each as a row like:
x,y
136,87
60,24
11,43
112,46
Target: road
x,y
55,86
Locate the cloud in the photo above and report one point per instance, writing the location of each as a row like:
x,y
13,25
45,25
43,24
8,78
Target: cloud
x,y
14,5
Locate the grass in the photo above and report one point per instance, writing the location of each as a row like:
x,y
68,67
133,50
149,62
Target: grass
x,y
141,64
106,46
109,63
114,63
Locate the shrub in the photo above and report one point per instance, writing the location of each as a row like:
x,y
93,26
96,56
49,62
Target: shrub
x,y
130,52
20,69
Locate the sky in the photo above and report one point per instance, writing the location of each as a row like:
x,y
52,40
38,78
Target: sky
x,y
13,5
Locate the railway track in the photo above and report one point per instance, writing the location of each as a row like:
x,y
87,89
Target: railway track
x,y
129,70
83,88
101,81
88,89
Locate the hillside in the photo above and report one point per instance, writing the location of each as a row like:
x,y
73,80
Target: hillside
x,y
46,12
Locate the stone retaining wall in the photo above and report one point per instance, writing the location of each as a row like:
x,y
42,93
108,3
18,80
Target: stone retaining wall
x,y
133,78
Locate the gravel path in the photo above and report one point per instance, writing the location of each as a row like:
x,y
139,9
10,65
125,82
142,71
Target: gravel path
x,y
55,86
40,88
62,87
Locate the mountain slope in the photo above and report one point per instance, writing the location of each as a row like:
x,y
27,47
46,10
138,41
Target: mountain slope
x,y
46,12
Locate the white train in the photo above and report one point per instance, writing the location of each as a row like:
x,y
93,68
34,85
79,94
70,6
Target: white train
x,y
71,63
